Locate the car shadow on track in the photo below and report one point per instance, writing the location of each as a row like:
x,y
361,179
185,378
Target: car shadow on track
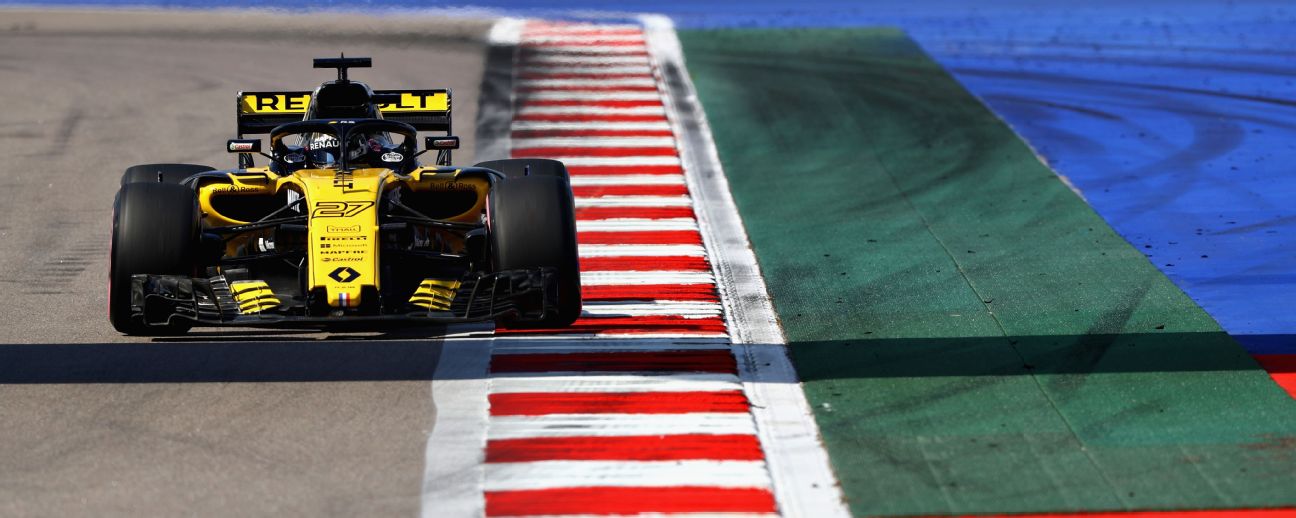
x,y
209,361
1023,355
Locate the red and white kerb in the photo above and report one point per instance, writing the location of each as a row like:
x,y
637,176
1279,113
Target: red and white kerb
x,y
638,407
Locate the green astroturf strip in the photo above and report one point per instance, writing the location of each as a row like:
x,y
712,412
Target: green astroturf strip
x,y
972,336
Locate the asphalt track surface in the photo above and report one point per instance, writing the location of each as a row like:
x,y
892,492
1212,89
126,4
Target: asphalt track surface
x,y
249,422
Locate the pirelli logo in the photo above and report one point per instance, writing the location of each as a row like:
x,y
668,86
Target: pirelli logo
x,y
288,103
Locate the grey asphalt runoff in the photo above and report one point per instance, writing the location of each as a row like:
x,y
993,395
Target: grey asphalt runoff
x,y
228,423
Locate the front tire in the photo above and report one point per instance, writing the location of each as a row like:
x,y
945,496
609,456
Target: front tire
x,y
533,224
524,167
155,231
161,173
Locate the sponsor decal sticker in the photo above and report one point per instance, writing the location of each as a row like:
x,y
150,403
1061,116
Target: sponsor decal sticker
x,y
393,157
340,209
344,274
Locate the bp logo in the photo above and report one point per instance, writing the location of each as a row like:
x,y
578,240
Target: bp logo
x,y
344,274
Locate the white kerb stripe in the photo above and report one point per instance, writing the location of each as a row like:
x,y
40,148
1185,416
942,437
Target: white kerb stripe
x,y
682,309
583,382
600,69
597,63
619,425
578,38
635,225
597,142
551,83
592,110
618,160
641,250
590,49
589,96
549,474
566,344
626,179
591,125
641,278
633,201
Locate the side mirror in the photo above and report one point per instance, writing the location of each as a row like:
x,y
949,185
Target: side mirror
x,y
252,145
441,143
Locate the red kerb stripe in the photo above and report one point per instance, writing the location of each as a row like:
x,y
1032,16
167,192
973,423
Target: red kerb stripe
x,y
633,325
594,151
635,448
629,500
644,264
682,292
709,360
587,117
595,191
1282,368
655,237
547,403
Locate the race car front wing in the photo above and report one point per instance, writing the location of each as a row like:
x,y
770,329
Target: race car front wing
x,y
158,300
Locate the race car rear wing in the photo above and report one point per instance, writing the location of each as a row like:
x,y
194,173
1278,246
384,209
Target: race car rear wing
x,y
426,110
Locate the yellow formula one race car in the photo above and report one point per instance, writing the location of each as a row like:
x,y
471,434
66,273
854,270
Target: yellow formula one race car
x,y
343,225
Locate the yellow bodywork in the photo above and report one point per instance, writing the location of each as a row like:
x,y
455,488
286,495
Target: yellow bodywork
x,y
435,294
253,296
342,223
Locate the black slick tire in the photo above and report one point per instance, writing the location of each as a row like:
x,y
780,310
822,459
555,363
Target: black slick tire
x,y
533,224
522,167
155,231
162,173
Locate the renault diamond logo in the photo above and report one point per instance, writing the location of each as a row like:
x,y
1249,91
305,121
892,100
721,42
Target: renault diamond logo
x,y
344,274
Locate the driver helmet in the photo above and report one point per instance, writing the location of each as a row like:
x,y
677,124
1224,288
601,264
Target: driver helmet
x,y
322,149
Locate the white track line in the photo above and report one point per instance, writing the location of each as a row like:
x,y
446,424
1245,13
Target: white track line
x,y
455,452
618,425
641,250
585,382
522,476
804,483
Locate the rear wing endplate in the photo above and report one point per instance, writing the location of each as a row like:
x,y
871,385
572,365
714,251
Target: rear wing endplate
x,y
426,110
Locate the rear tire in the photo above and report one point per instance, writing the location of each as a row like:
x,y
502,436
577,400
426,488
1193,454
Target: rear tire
x,y
162,173
533,224
155,231
523,167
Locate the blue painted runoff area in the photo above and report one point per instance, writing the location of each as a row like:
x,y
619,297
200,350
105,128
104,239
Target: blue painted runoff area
x,y
1176,120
